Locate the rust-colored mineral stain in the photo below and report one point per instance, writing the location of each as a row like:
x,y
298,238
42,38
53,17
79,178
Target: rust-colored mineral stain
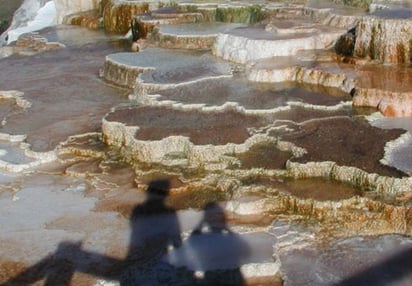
x,y
217,128
174,181
393,78
10,269
7,107
320,189
347,142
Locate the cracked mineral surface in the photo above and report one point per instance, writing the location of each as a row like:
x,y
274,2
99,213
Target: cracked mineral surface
x,y
243,144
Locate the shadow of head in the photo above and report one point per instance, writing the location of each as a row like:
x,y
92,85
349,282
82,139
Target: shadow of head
x,y
158,189
214,217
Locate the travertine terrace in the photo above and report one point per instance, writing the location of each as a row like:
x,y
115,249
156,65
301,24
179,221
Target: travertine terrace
x,y
209,143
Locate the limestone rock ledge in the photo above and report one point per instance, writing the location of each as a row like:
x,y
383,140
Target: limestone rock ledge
x,y
190,36
351,175
241,48
398,153
68,7
154,67
174,150
389,103
357,215
385,88
387,40
118,14
120,73
29,44
26,158
288,31
17,96
324,74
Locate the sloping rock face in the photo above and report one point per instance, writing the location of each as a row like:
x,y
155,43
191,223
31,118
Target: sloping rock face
x,y
387,40
387,90
68,7
152,69
287,32
190,36
327,73
389,103
117,15
244,45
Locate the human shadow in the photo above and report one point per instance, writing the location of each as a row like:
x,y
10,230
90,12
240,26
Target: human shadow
x,y
211,255
396,270
155,230
213,252
54,269
155,227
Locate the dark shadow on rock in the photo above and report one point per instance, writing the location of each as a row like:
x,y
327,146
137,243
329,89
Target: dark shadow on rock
x,y
213,252
154,231
155,227
55,269
212,255
396,270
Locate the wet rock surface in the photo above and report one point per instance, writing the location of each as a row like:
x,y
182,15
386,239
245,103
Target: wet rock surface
x,y
158,66
249,95
158,123
317,138
195,170
393,43
54,92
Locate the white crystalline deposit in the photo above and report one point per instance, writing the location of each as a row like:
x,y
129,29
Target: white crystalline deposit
x,y
17,96
33,15
244,49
